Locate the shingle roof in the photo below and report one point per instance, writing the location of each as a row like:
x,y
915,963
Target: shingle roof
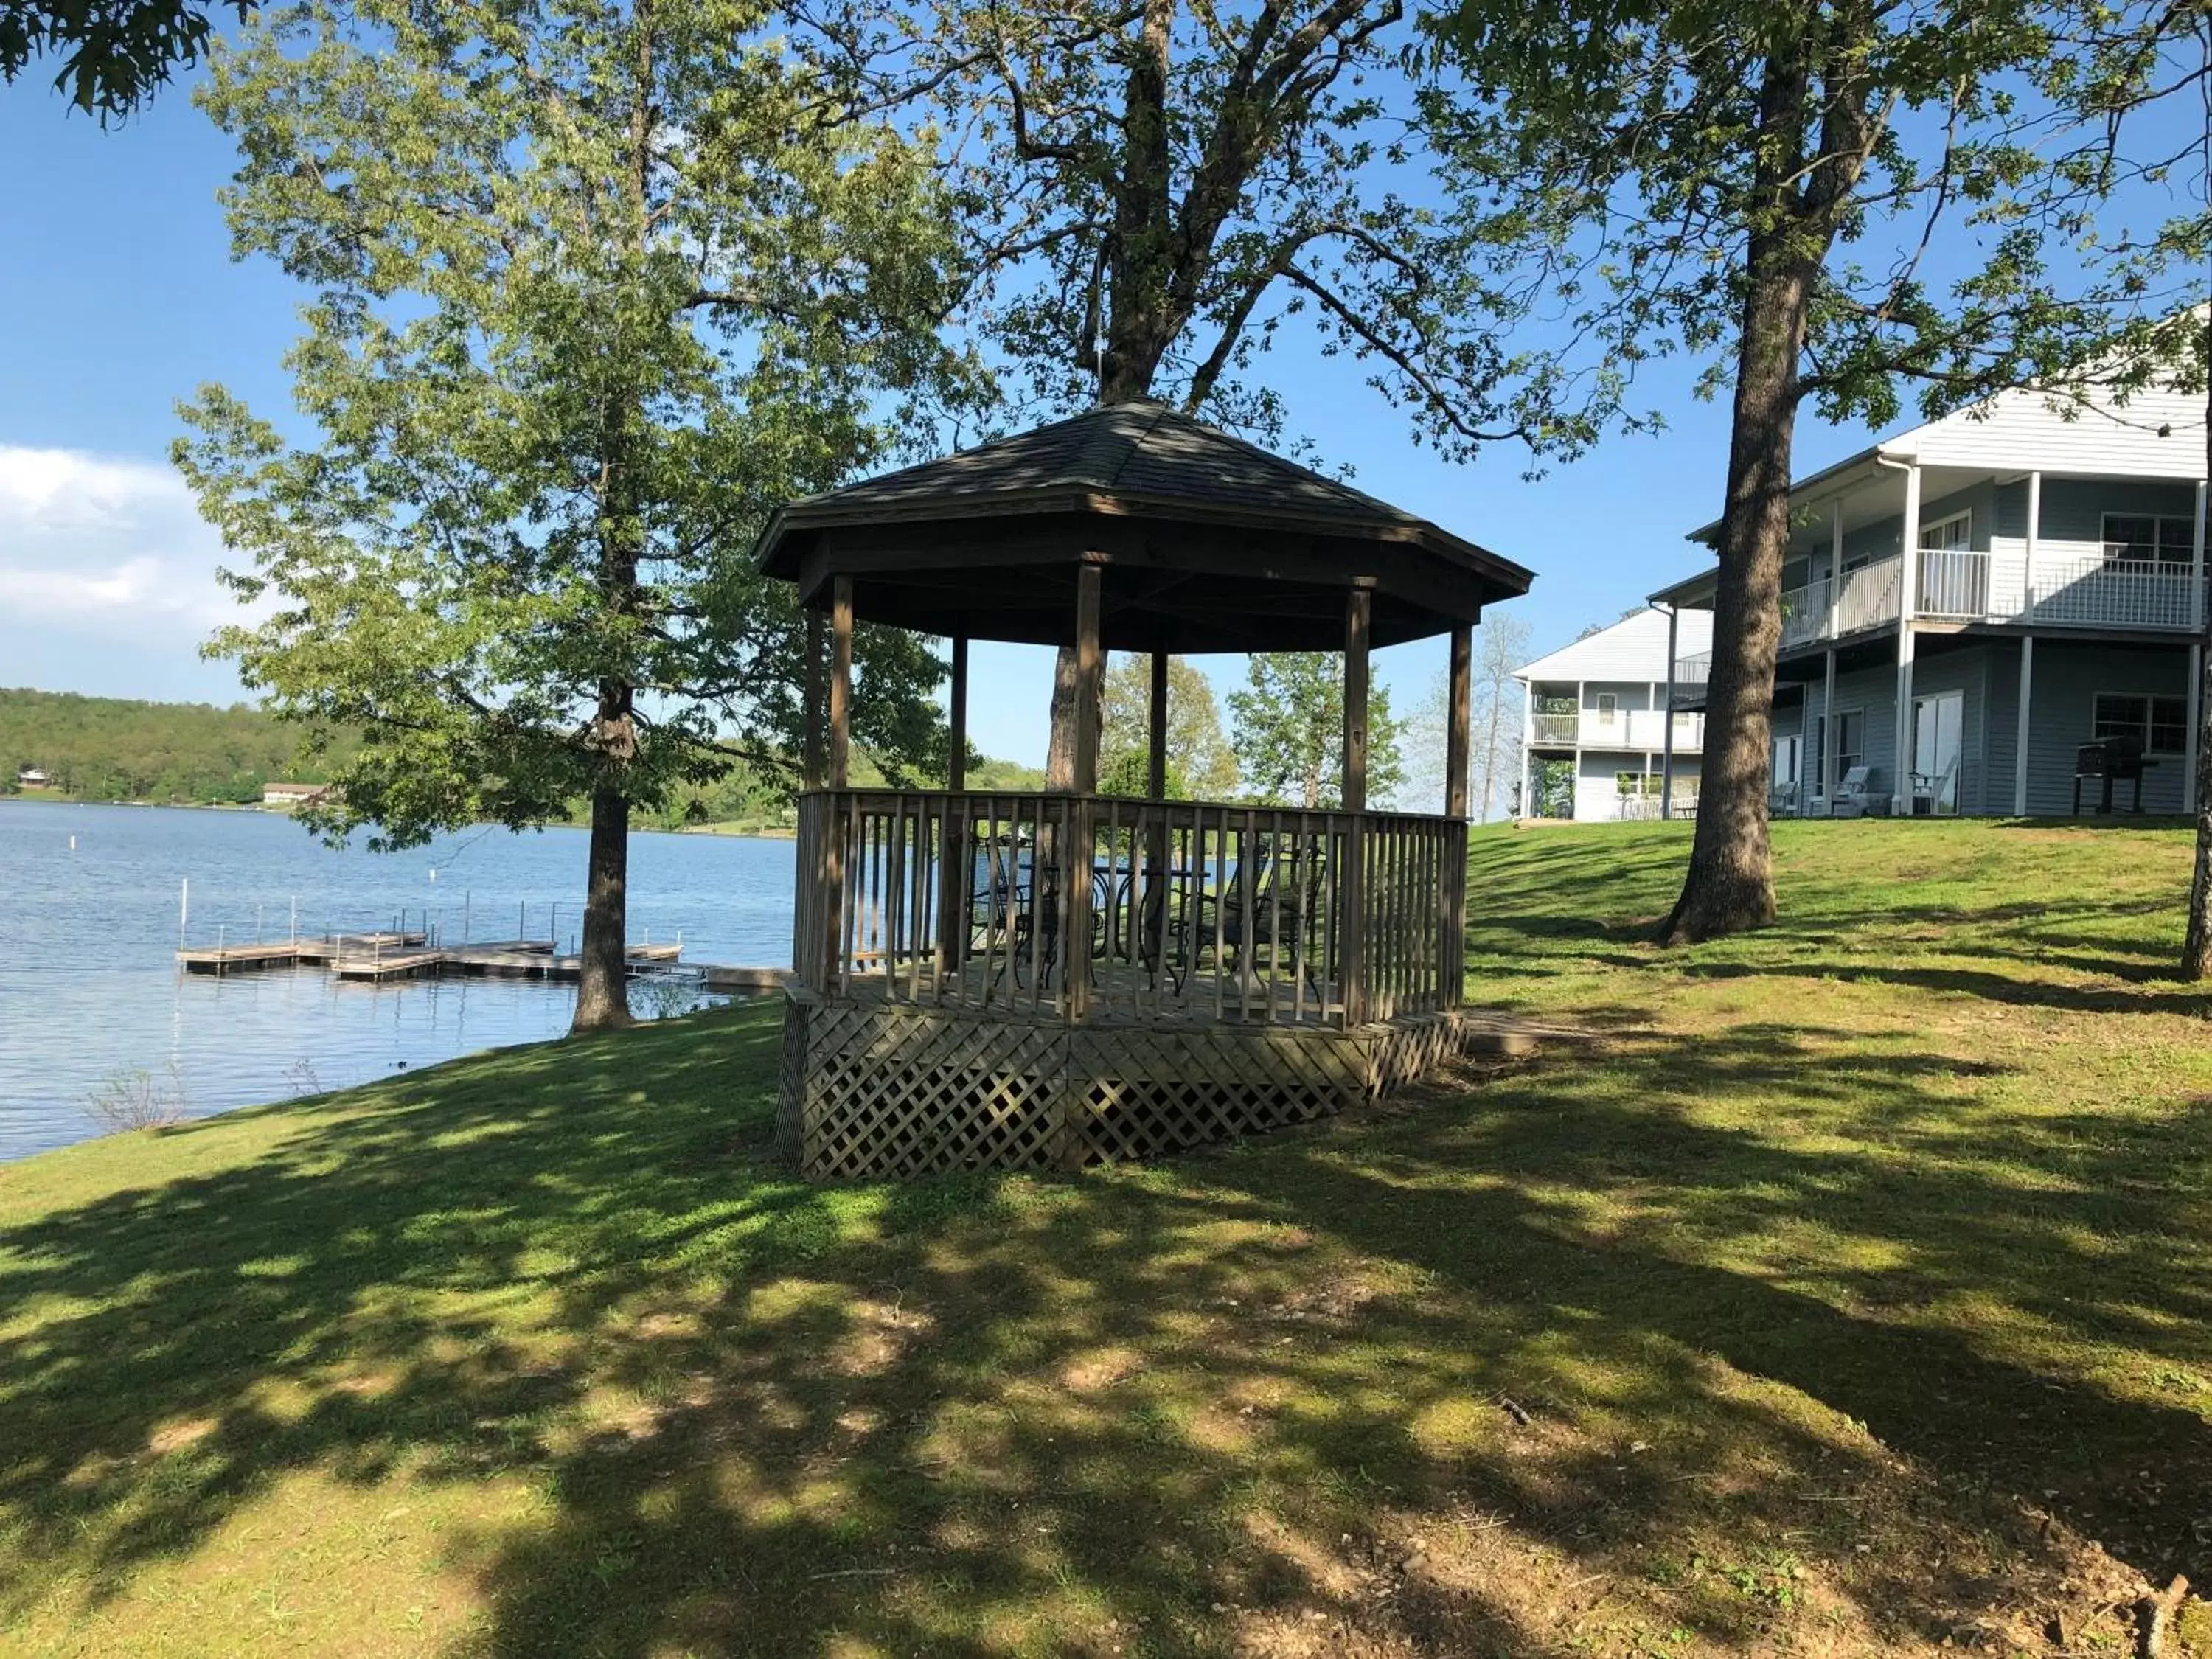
x,y
1207,543
1142,450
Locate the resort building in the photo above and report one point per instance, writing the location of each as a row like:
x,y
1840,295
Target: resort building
x,y
1988,614
1596,741
292,794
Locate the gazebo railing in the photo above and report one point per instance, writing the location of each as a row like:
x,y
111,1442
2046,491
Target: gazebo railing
x,y
1090,907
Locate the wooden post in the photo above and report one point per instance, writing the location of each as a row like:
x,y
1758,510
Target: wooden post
x,y
1156,776
958,776
841,679
1456,714
811,760
955,862
1359,616
1452,970
1076,860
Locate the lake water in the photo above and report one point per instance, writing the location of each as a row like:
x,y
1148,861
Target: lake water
x,y
90,989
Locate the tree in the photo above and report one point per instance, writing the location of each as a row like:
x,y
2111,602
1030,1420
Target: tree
x,y
1151,191
1706,179
1501,646
1200,761
115,53
2131,63
1288,736
619,293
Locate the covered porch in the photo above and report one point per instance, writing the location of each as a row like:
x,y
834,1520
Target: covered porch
x,y
1063,977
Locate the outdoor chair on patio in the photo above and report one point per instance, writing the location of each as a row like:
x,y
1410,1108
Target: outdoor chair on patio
x,y
1856,795
1285,892
1929,789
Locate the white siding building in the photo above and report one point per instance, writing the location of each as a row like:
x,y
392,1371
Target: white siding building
x,y
1596,740
1967,604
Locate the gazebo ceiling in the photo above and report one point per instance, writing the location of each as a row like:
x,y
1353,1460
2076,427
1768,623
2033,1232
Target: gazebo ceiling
x,y
1205,543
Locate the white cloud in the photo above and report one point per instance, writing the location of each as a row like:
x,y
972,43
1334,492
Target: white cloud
x,y
106,575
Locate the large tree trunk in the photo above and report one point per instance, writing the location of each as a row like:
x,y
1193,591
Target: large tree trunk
x,y
601,981
2196,946
1730,884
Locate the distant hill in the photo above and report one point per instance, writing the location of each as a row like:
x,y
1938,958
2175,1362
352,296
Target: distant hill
x,y
113,748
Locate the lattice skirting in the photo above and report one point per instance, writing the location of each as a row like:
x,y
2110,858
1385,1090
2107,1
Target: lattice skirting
x,y
873,1090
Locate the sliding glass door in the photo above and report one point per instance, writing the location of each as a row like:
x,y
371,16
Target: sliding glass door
x,y
1938,748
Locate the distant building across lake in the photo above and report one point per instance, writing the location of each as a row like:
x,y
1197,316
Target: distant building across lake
x,y
31,777
291,795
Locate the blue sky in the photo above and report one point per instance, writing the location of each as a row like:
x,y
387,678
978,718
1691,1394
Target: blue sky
x,y
119,297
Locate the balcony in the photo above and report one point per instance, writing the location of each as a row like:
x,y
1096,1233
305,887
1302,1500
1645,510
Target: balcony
x,y
2071,584
1623,729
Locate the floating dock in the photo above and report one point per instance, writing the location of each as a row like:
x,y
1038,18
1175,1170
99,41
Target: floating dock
x,y
293,953
377,958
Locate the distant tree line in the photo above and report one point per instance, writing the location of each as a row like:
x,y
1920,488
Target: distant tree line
x,y
111,749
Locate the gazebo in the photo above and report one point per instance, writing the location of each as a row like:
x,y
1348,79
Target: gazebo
x,y
1001,979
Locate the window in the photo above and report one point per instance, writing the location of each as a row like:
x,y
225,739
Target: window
x,y
1954,534
1609,703
2149,539
1849,724
2160,724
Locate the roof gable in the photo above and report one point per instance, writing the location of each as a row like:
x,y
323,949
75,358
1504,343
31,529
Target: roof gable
x,y
1633,649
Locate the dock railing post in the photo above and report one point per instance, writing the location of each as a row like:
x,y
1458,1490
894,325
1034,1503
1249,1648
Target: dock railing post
x,y
184,909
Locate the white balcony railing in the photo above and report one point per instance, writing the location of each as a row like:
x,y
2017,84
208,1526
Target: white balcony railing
x,y
2072,585
1623,729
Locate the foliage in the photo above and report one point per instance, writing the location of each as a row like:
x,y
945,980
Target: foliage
x,y
1199,761
1822,199
1148,193
1289,722
111,749
139,1099
621,293
1501,645
521,1353
114,53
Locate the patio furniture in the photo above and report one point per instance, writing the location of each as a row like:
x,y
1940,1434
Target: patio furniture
x,y
1856,795
1929,787
2110,760
1273,912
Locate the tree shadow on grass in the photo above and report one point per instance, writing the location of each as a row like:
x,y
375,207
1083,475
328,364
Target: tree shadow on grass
x,y
1197,1407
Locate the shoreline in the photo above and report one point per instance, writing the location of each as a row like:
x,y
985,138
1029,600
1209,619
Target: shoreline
x,y
737,830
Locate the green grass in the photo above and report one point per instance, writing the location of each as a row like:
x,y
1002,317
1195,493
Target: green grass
x,y
1844,1291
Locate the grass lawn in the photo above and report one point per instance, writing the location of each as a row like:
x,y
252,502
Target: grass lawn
x,y
1847,1291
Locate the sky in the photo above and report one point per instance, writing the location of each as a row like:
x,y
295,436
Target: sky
x,y
119,297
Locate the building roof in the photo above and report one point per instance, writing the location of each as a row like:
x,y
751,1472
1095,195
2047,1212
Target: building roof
x,y
1633,650
1209,543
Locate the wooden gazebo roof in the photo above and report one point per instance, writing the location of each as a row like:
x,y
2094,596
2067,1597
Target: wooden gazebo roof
x,y
1205,543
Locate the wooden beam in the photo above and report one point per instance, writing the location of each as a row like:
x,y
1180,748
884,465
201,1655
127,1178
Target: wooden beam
x,y
1358,614
1075,861
957,778
841,679
1351,886
1087,671
1156,775
1458,712
811,761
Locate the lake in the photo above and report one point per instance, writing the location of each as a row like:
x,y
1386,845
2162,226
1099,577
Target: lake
x,y
90,989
